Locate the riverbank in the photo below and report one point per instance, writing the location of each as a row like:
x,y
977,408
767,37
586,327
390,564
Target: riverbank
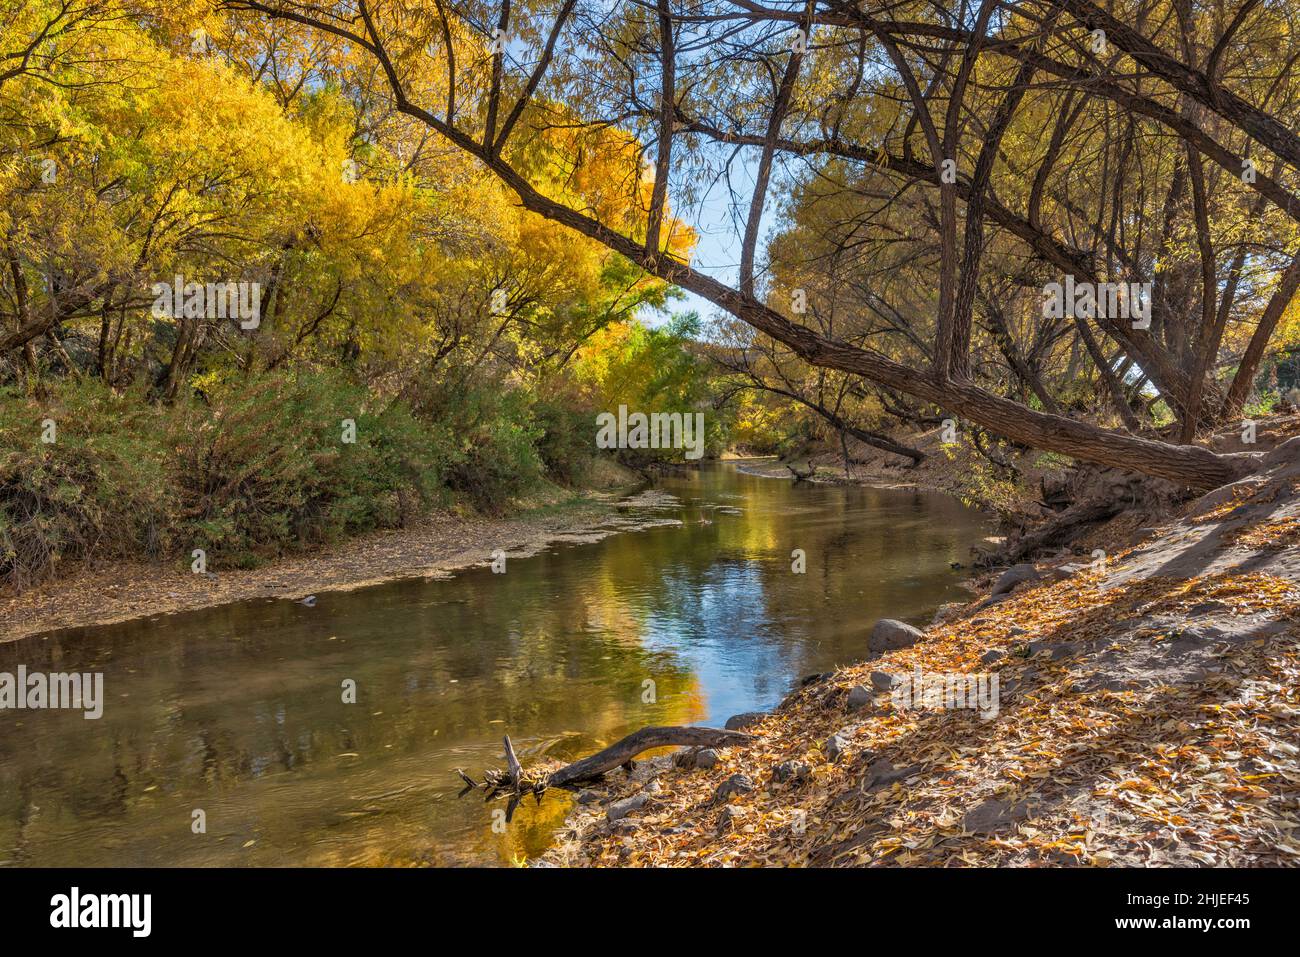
x,y
435,546
1147,714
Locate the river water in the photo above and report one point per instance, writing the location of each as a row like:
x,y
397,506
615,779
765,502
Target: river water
x,y
238,711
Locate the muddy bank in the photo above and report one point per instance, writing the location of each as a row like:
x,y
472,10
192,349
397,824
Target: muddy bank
x,y
437,546
1146,714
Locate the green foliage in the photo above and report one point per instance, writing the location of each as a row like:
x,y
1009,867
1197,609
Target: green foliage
x,y
1263,404
258,470
265,468
100,489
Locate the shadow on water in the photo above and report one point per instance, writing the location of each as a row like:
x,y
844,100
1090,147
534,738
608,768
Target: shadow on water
x,y
238,711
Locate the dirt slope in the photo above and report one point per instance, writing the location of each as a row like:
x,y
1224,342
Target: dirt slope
x,y
1148,713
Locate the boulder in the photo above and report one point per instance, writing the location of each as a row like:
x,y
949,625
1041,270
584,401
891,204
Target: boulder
x,y
700,759
728,818
736,784
859,697
1013,576
882,681
621,809
791,771
739,722
991,656
836,745
889,634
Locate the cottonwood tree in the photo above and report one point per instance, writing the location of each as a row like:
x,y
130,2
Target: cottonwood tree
x,y
952,101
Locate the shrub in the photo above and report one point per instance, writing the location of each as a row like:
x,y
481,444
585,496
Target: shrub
x,y
99,490
266,468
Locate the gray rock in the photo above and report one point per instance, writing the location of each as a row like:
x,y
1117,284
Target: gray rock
x,y
696,759
1068,570
736,784
645,771
739,722
589,797
836,745
882,681
621,809
859,697
791,771
991,656
889,634
728,818
1013,576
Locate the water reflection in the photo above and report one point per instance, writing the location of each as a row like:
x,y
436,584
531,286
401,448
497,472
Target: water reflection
x,y
238,711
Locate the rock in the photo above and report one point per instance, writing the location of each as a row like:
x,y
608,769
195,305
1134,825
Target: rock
x,y
1284,454
1017,632
739,722
589,797
791,771
736,784
859,697
1013,576
991,656
814,678
1068,570
699,759
883,681
889,634
836,745
993,600
645,771
728,818
621,809
947,611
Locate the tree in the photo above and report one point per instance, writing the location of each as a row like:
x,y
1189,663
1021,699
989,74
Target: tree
x,y
967,87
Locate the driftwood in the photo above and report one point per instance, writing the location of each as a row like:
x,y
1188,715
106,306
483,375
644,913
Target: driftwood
x,y
515,782
628,748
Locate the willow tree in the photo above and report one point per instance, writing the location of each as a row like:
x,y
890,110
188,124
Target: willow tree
x,y
958,102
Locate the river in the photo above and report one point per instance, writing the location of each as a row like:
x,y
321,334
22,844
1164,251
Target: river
x,y
237,712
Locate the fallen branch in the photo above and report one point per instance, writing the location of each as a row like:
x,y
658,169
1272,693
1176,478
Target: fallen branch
x,y
515,782
628,748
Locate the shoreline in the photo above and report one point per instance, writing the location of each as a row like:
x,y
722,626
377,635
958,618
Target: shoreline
x,y
434,547
1145,717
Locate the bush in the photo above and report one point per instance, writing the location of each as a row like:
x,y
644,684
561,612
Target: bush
x,y
99,489
259,469
498,457
267,467
567,440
